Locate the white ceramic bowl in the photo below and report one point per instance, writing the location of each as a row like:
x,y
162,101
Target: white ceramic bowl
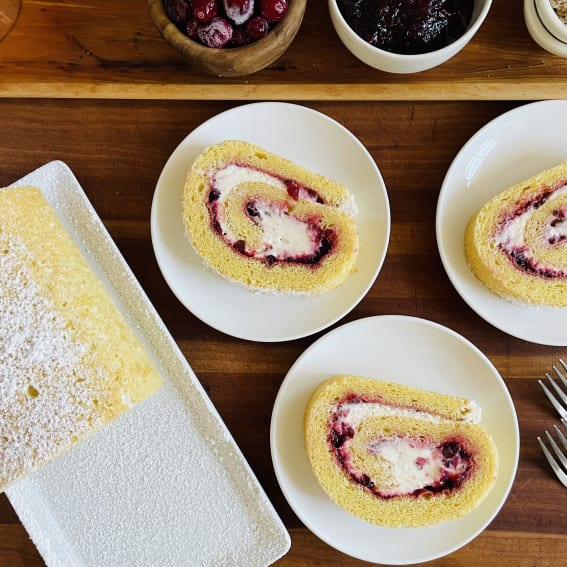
x,y
399,63
545,26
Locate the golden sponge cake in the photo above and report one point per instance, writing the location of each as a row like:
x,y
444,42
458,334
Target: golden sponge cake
x,y
516,244
398,456
267,223
69,362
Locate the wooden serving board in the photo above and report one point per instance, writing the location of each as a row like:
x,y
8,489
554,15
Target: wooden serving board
x,y
108,49
9,10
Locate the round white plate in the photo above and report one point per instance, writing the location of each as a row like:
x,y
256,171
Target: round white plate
x,y
409,351
310,139
511,148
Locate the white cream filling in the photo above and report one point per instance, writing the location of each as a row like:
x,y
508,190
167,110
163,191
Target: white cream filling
x,y
354,413
284,235
229,177
349,206
413,466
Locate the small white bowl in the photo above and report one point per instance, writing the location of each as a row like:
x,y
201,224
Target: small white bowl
x,y
545,26
401,63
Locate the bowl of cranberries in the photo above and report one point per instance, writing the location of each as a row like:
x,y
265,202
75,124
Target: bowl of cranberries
x,y
406,36
228,38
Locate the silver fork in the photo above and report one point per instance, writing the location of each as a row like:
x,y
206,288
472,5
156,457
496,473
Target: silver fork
x,y
559,402
558,469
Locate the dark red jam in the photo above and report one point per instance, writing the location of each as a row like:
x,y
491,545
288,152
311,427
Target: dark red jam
x,y
456,461
408,26
559,218
298,191
529,265
530,203
521,257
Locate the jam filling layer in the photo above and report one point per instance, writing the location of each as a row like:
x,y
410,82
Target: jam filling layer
x,y
420,466
286,237
510,234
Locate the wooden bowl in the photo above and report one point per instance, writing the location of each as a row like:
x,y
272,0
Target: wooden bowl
x,y
232,61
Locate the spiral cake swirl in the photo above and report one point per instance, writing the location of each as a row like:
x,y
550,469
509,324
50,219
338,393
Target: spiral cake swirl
x,y
517,243
398,456
267,223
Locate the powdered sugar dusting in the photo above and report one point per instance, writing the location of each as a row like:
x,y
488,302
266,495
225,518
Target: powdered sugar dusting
x,y
165,483
39,416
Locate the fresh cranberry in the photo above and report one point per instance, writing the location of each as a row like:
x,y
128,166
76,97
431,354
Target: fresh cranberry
x,y
273,10
177,10
248,20
215,34
238,11
192,27
240,36
257,27
205,10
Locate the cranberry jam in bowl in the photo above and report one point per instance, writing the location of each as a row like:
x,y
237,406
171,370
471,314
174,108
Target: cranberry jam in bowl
x,y
406,36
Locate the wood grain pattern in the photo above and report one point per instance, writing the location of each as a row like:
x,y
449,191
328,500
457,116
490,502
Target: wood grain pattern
x,y
117,150
109,49
9,10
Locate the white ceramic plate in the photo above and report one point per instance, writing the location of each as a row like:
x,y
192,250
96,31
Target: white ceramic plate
x,y
130,493
511,148
312,140
409,351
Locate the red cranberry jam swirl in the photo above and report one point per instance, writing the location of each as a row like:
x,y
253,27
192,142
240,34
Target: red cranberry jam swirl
x,y
287,238
408,26
510,233
429,467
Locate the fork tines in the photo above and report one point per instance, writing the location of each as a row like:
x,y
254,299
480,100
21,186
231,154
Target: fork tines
x,y
559,400
558,469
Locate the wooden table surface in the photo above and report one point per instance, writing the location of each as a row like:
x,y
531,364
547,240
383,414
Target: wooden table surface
x,y
115,110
